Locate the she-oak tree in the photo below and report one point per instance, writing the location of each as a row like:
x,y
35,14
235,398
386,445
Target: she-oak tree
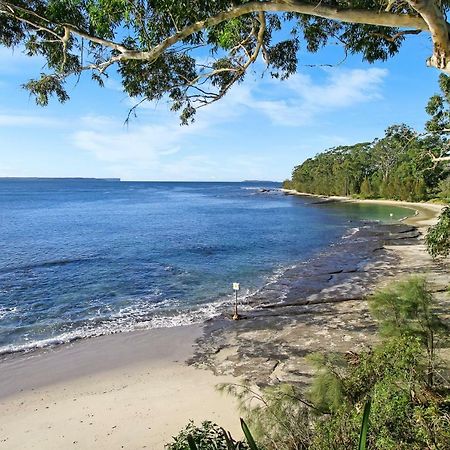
x,y
160,47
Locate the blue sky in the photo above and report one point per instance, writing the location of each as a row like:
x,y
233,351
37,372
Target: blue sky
x,y
260,130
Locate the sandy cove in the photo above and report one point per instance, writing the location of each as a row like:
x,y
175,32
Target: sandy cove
x,y
426,213
134,390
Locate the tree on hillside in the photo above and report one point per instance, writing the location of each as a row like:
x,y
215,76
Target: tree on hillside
x,y
159,47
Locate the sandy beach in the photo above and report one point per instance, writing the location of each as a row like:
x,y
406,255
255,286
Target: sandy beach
x,y
135,390
130,390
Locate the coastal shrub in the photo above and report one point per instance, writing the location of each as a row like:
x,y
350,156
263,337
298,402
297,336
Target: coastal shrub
x,y
208,436
278,416
438,236
392,375
407,309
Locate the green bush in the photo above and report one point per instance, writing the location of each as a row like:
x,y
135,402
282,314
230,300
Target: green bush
x,y
444,189
209,436
438,236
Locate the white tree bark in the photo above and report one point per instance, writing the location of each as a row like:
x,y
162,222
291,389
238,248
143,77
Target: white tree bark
x,y
437,25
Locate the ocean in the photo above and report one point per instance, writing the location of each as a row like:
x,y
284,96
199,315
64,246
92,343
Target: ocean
x,y
82,258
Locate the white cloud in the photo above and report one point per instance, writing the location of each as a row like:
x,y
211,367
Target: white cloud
x,y
303,99
119,144
343,88
141,145
161,135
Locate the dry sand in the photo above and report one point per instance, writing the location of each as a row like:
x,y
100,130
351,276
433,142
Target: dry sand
x,y
131,390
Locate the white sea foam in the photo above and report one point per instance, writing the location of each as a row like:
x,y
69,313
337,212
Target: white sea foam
x,y
350,233
143,316
131,318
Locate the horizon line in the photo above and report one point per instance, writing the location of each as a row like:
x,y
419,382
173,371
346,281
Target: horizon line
x,y
117,179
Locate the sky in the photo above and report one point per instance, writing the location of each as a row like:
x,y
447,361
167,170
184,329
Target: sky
x,y
259,131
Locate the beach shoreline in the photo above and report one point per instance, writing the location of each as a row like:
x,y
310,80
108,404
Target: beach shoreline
x,y
426,213
327,309
135,390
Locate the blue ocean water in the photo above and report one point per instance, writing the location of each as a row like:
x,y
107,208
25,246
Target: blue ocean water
x,y
81,258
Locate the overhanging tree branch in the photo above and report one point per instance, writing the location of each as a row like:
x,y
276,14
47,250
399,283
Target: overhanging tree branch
x,y
157,30
437,25
351,15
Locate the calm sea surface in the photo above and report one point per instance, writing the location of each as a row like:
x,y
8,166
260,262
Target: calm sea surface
x,y
81,258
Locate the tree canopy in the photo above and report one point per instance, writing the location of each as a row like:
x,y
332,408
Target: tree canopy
x,y
398,166
194,51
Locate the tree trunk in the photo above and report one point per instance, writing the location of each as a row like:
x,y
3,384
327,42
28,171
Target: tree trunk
x,y
434,17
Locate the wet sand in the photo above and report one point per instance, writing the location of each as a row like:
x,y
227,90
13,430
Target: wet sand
x,y
130,390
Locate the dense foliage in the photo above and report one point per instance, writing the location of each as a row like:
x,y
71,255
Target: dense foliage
x,y
409,409
207,436
397,166
194,51
438,236
406,413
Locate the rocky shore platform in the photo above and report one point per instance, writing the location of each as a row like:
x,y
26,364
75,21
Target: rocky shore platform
x,y
320,305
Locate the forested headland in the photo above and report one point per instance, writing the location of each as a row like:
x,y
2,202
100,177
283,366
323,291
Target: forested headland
x,y
404,164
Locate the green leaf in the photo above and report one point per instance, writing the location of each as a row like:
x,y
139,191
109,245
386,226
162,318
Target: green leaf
x,y
248,435
228,440
364,427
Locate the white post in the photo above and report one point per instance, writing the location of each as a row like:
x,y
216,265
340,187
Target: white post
x,y
236,288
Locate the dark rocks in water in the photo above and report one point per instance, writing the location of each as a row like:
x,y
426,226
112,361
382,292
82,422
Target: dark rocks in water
x,y
305,301
326,201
